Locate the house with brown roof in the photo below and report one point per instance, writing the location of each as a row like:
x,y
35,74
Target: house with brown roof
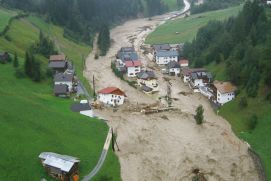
x,y
57,58
224,92
184,63
111,96
58,63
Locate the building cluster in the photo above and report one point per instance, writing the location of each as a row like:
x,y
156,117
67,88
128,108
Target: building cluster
x,y
64,75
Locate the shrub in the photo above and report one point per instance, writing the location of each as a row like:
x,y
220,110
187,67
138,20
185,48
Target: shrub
x,y
96,56
252,122
243,102
199,114
19,73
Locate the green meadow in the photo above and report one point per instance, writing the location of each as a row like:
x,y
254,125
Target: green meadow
x,y
185,29
5,16
32,120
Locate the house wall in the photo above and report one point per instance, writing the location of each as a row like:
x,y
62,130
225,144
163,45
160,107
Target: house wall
x,y
150,83
198,82
133,71
184,65
186,79
165,60
224,98
111,99
177,71
69,84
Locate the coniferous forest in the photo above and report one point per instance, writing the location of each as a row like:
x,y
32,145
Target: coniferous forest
x,y
243,44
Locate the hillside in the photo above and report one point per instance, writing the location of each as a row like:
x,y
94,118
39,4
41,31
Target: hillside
x,y
5,16
182,30
33,120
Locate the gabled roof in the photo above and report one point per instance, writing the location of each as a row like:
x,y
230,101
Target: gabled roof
x,y
57,58
62,77
187,71
125,56
57,64
62,162
146,75
159,47
172,53
61,89
173,64
135,63
127,49
183,61
201,75
224,87
77,107
112,90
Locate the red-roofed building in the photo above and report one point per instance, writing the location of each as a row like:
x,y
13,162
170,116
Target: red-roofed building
x,y
184,63
111,96
133,67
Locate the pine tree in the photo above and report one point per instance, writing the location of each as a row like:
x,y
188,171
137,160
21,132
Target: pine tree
x,y
36,71
199,114
15,61
27,64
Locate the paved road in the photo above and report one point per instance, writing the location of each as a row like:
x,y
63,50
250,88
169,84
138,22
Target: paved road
x,y
102,157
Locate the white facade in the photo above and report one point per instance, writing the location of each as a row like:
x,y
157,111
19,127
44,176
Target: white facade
x,y
165,60
184,64
198,83
177,71
186,78
224,98
268,2
111,99
133,71
69,84
152,83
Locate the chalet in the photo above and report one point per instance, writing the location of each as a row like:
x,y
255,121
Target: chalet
x,y
57,58
185,74
61,167
161,47
224,92
4,57
111,96
66,79
147,79
184,63
61,90
58,66
164,57
127,54
173,68
83,108
200,78
133,67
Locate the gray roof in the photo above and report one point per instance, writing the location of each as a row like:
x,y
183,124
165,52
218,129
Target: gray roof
x,y
128,56
173,64
62,162
61,89
160,47
167,53
77,107
127,49
146,88
62,77
146,75
199,75
57,64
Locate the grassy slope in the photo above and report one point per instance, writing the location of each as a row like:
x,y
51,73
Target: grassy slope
x,y
187,27
5,16
172,4
43,122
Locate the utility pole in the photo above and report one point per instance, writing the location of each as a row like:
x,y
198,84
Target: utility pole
x,y
169,99
94,93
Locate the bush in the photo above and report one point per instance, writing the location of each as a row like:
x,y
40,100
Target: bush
x,y
243,102
199,114
96,56
252,122
8,38
19,73
49,73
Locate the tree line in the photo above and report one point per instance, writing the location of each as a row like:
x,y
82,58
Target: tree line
x,y
210,5
81,19
242,43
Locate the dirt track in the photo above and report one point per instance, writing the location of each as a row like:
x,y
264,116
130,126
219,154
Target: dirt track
x,y
167,146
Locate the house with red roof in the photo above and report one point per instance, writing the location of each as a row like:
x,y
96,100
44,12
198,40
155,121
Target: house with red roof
x,y
184,63
111,96
133,67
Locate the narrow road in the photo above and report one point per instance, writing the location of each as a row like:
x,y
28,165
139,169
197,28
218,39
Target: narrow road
x,y
102,157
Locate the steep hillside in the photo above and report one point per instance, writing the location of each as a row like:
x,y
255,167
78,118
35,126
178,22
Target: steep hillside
x,y
182,30
33,120
5,16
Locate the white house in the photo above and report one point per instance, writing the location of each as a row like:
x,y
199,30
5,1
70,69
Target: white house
x,y
185,74
225,92
184,63
66,79
147,81
164,57
133,67
199,78
174,68
111,96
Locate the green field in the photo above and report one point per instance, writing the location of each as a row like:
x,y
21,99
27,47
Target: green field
x,y
172,4
33,120
5,16
182,30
